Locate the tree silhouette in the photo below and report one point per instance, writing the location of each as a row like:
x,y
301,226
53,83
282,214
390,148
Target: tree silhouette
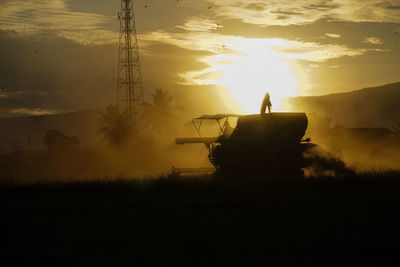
x,y
159,114
117,127
55,140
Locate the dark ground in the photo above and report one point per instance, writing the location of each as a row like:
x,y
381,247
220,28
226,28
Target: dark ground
x,y
350,221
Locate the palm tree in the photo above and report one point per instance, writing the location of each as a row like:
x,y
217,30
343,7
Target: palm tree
x,y
117,127
159,114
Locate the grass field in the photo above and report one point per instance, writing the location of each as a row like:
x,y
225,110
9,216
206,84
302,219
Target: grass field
x,y
204,221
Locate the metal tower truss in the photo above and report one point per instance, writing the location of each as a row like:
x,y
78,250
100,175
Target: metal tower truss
x,y
129,77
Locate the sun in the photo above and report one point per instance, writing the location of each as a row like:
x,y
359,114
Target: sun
x,y
248,68
255,71
251,77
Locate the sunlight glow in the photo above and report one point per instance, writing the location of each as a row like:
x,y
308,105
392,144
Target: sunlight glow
x,y
256,72
249,68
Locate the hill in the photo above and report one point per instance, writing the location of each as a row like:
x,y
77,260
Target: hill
x,y
368,107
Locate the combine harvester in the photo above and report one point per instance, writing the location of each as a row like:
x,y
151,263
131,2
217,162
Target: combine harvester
x,y
265,143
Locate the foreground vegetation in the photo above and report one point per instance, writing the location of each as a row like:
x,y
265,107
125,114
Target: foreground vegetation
x,y
205,221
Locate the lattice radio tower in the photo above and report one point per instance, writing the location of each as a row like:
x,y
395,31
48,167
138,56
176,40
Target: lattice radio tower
x,y
129,79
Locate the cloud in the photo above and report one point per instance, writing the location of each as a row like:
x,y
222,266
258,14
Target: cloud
x,y
333,35
265,13
55,16
287,12
38,16
316,52
373,40
228,44
261,62
17,112
389,4
199,24
52,73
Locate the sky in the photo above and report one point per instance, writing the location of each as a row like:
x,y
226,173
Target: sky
x,y
212,55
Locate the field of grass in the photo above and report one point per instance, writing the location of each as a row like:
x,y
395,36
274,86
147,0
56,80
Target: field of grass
x,y
204,221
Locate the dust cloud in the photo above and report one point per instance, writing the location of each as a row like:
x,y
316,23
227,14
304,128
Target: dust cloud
x,y
361,149
137,157
149,152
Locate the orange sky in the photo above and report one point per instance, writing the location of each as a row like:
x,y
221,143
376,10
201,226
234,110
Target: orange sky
x,y
217,54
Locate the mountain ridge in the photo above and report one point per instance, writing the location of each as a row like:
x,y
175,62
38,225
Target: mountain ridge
x,y
376,106
361,90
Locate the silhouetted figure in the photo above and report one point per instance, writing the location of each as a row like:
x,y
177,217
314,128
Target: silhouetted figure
x,y
266,103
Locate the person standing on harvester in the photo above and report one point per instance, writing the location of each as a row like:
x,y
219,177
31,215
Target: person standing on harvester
x,y
266,103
